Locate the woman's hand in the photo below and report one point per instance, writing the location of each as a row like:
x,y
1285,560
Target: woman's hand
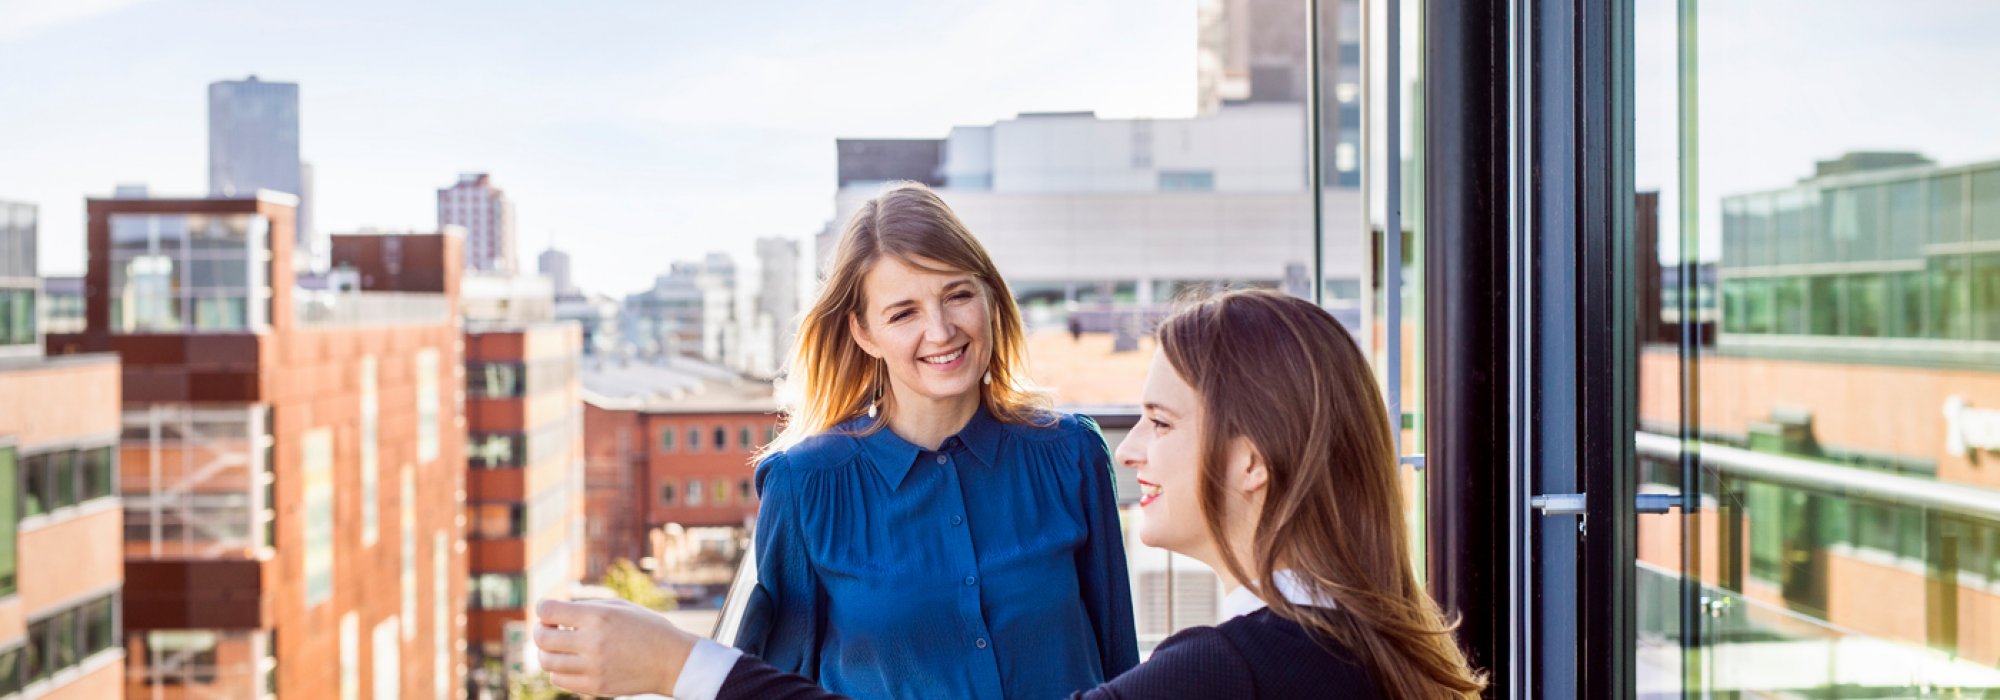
x,y
610,647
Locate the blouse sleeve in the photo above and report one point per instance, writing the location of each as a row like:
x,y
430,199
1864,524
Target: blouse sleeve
x,y
1100,563
781,621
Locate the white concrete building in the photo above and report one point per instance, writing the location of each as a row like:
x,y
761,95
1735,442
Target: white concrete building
x,y
1076,208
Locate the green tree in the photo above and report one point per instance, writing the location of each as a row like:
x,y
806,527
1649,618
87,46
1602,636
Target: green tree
x,y
538,687
628,582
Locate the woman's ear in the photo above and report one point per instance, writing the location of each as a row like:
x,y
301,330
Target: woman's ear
x,y
861,338
1249,474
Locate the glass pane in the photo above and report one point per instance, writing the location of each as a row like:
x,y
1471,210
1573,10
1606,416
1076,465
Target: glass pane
x,y
1841,541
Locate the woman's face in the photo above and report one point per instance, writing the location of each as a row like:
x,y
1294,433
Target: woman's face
x,y
1165,448
929,328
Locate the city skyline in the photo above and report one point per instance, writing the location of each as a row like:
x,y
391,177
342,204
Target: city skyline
x,y
698,127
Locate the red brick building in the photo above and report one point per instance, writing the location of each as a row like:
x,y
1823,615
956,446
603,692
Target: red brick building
x,y
668,443
291,461
524,481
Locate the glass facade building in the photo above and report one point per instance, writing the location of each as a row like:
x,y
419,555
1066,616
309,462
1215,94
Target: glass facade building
x,y
19,283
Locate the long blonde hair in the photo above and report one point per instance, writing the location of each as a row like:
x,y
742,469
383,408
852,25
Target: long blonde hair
x,y
1282,373
832,380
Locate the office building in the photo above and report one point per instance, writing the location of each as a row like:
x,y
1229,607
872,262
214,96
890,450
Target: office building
x,y
524,484
61,533
488,217
291,461
253,144
669,443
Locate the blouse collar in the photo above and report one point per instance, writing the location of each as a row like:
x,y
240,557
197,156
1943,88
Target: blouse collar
x,y
893,456
1241,601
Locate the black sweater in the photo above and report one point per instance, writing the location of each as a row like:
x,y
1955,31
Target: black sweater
x,y
1258,655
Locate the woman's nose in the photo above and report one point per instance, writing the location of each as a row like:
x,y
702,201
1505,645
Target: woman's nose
x,y
1131,452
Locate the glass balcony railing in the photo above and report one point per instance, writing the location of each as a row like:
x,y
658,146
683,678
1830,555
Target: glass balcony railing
x,y
311,309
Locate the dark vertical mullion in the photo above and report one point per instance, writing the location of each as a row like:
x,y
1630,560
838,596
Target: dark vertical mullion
x,y
1552,185
1607,362
1466,289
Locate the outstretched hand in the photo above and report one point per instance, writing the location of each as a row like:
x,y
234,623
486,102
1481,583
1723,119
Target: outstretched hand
x,y
610,647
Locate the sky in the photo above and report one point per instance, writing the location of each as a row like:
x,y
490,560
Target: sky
x,y
629,134
635,133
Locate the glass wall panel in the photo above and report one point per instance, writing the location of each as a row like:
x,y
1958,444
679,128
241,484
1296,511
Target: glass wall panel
x,y
1837,533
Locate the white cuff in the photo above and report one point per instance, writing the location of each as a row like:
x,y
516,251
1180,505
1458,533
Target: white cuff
x,y
706,668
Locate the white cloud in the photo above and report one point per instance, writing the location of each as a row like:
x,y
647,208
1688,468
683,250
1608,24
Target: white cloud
x,y
23,17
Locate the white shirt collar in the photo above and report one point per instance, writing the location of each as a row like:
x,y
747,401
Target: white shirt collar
x,y
1241,601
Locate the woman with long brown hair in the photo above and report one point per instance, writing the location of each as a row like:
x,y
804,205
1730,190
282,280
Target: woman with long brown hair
x,y
1264,452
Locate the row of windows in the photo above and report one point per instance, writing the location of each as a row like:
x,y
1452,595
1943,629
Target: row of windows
x,y
17,316
718,439
510,450
59,642
506,380
63,478
716,493
498,592
1957,299
1862,222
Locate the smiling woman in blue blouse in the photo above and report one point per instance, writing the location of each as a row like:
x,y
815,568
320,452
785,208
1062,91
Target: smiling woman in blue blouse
x,y
929,528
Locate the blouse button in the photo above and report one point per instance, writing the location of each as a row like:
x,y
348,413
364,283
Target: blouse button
x,y
969,580
981,643
957,520
941,459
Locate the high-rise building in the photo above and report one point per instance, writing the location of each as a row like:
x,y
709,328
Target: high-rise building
x,y
1251,51
61,568
291,461
774,318
253,144
554,264
488,218
667,319
524,484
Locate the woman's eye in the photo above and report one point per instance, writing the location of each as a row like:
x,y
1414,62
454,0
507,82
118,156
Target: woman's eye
x,y
1158,426
961,296
898,316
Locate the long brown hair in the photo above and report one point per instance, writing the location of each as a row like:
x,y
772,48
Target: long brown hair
x,y
832,380
1282,373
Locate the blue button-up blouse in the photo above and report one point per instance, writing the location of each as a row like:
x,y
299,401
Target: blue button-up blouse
x,y
991,568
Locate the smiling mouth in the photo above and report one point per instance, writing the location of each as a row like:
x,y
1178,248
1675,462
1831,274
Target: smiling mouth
x,y
945,358
1148,492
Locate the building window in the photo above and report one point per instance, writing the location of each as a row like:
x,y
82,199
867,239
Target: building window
x,y
744,491
188,272
498,591
498,521
721,438
743,438
494,380
667,494
9,523
427,406
63,478
17,316
1187,181
495,450
694,492
721,492
318,515
694,439
667,440
371,472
